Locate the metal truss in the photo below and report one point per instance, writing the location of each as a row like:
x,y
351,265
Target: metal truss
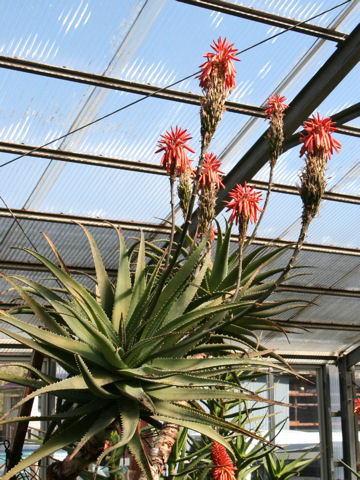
x,y
28,215
268,18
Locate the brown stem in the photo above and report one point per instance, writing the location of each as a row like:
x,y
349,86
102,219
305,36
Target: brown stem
x,y
70,467
159,453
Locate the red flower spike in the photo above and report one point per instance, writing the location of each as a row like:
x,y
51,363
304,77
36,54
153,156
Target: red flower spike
x,y
318,138
224,469
173,144
244,203
210,173
219,64
275,104
357,406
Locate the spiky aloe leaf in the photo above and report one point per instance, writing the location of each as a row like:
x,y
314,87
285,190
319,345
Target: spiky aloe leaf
x,y
129,418
140,278
137,393
122,296
92,384
64,343
137,449
63,358
27,366
59,440
87,302
104,419
105,289
76,412
47,320
220,267
183,301
171,292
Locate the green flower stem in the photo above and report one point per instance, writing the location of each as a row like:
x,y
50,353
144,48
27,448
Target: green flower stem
x,y
172,204
243,225
269,189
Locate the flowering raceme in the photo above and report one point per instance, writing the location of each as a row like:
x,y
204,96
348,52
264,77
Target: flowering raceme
x,y
318,139
174,144
209,184
210,174
224,469
219,64
244,204
318,146
275,105
217,79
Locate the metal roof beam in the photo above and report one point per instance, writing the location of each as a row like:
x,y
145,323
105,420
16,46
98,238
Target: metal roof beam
x,y
352,358
116,84
269,18
28,215
334,70
156,91
39,267
144,167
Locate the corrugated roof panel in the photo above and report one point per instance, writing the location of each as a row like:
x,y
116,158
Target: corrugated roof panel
x,y
69,239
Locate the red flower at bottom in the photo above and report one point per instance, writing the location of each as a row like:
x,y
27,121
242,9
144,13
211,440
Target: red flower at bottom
x,y
357,406
224,469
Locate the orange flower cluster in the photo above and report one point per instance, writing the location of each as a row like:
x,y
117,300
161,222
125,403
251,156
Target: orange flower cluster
x,y
275,105
244,203
210,174
357,406
224,469
219,64
174,144
318,139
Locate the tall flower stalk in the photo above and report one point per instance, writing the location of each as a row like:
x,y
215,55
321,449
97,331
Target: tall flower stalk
x,y
318,147
275,108
177,164
244,207
217,80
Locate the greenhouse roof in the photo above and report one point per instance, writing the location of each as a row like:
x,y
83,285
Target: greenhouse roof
x,y
88,87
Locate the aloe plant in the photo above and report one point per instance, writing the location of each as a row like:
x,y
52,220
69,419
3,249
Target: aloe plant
x,y
279,467
127,349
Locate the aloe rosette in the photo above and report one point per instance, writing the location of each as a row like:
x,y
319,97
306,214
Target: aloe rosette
x,y
127,348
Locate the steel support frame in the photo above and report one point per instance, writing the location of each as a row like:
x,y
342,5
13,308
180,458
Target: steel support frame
x,y
348,419
156,228
326,446
143,167
268,18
